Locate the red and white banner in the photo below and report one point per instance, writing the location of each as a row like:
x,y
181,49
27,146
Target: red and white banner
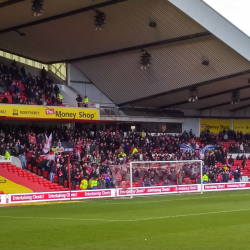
x,y
92,193
32,139
50,156
226,186
159,190
102,193
39,197
47,145
78,148
55,196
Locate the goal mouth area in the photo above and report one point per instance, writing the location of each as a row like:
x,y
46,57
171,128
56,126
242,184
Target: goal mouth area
x,y
157,178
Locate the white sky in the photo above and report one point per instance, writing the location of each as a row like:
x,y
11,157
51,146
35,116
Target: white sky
x,y
236,11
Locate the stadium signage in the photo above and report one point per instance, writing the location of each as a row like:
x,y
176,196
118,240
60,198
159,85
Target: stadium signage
x,y
74,195
215,126
42,112
242,125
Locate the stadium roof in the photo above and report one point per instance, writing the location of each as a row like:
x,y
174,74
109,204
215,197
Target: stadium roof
x,y
187,32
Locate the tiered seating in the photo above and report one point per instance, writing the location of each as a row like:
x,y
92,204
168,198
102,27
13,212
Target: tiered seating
x,y
245,172
226,145
29,177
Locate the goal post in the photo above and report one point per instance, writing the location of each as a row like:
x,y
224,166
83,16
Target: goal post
x,y
158,177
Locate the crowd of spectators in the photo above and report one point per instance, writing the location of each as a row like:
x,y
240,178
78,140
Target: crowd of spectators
x,y
17,87
100,150
237,141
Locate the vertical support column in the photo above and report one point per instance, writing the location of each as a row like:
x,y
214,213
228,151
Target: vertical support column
x,y
68,74
131,181
232,124
201,177
69,179
199,126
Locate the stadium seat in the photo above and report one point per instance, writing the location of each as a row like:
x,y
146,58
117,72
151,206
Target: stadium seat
x,y
65,184
39,172
56,179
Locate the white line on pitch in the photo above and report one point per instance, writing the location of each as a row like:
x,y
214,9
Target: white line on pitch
x,y
145,202
145,219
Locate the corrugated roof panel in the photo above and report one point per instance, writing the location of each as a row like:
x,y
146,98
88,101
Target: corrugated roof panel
x,y
126,26
173,66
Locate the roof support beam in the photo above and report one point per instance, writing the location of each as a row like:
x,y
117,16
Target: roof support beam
x,y
10,2
187,87
223,104
137,47
27,57
206,97
240,108
63,15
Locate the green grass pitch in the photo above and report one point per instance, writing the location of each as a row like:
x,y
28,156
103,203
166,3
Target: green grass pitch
x,y
213,221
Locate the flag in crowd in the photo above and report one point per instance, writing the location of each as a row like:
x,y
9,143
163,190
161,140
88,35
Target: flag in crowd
x,y
32,139
50,156
208,147
185,148
47,145
78,148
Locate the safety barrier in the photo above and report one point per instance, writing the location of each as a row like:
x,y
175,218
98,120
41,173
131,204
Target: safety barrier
x,y
119,192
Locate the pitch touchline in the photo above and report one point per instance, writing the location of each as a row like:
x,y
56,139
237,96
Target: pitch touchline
x,y
145,219
145,202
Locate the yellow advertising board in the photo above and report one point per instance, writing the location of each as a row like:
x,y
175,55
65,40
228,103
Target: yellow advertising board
x,y
53,113
215,126
242,125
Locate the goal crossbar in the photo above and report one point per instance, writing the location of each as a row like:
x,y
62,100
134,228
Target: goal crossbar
x,y
181,163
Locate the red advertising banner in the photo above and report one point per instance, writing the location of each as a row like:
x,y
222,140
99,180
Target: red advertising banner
x,y
91,194
40,196
159,190
100,193
147,190
36,197
226,186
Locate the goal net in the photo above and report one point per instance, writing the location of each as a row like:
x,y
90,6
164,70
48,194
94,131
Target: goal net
x,y
158,177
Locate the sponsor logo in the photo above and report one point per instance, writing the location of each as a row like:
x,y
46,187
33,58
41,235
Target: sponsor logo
x,y
15,112
49,111
58,195
221,127
72,115
2,111
29,113
165,189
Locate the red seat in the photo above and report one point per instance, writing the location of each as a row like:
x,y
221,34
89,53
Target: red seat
x,y
39,172
45,174
65,183
56,178
29,167
77,187
35,169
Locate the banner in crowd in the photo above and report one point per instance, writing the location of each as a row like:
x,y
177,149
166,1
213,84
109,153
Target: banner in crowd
x,y
242,125
32,139
78,148
52,113
184,148
50,156
215,126
208,147
47,145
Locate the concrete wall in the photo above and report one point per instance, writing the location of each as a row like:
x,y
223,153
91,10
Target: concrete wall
x,y
192,123
84,86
